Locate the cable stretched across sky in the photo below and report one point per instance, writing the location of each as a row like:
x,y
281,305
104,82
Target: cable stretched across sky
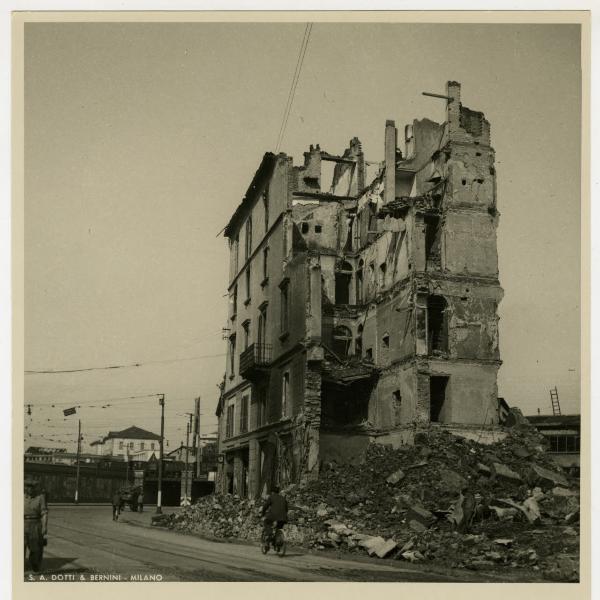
x,y
295,79
124,366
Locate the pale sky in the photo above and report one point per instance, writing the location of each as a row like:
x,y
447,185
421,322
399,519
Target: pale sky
x,y
141,140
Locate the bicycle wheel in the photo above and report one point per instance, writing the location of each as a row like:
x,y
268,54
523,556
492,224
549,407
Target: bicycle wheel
x,y
280,545
264,544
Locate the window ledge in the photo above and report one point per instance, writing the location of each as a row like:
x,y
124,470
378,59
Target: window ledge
x,y
247,301
284,336
264,282
233,316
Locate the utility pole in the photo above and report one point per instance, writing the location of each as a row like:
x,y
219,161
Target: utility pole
x,y
78,455
197,436
188,429
161,401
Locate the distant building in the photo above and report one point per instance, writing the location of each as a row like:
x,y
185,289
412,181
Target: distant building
x,y
133,443
58,456
563,433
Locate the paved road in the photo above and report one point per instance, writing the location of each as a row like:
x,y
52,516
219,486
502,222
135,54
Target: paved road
x,y
84,542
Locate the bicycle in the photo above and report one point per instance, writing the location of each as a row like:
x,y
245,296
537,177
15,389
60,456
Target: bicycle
x,y
276,539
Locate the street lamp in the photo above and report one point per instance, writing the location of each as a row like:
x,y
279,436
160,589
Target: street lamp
x,y
161,401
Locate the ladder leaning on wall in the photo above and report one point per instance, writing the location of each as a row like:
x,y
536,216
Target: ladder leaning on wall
x,y
555,402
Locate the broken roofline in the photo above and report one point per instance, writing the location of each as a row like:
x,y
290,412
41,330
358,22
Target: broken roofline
x,y
264,170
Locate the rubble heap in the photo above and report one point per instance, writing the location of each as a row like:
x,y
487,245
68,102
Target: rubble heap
x,y
444,499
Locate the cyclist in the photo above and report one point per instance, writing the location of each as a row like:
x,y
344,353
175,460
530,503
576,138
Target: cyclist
x,y
274,511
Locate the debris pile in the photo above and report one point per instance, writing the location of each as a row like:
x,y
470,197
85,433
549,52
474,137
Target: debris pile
x,y
444,499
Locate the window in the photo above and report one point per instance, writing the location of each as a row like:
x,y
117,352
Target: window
x,y
265,264
318,228
229,420
285,305
285,391
234,300
261,407
342,338
358,341
120,445
262,326
247,284
564,443
437,334
131,445
265,198
151,445
343,279
382,270
246,328
235,250
385,340
359,282
244,414
432,242
369,354
248,237
304,227
141,445
232,355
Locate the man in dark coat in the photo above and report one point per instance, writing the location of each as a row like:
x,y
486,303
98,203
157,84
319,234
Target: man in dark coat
x,y
116,505
275,511
36,523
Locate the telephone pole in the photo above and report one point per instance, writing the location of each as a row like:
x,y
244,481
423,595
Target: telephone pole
x,y
161,401
188,429
197,435
78,455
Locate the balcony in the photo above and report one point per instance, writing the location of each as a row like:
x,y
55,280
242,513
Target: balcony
x,y
255,361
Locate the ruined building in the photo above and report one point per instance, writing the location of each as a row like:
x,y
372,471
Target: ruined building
x,y
361,310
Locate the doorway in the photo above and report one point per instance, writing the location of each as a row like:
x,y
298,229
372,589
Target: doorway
x,y
437,398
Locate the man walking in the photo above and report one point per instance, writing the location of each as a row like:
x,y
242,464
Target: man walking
x,y
116,505
36,524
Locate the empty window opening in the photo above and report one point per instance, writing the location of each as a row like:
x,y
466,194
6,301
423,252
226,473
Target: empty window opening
x,y
369,354
285,305
437,398
342,340
305,227
318,228
437,324
464,182
396,397
358,341
343,279
248,237
265,264
244,414
432,241
382,271
248,283
285,393
359,282
385,340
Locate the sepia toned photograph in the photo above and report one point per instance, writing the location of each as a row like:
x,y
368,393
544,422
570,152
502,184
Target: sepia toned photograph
x,y
302,301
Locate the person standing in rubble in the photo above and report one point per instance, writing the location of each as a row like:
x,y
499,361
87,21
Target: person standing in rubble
x,y
274,511
36,524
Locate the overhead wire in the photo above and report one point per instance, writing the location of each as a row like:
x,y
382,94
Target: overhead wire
x,y
122,366
294,84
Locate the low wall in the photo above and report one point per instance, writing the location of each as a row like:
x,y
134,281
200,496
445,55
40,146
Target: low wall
x,y
59,481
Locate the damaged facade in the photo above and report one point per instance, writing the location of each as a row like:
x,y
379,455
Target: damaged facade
x,y
360,310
